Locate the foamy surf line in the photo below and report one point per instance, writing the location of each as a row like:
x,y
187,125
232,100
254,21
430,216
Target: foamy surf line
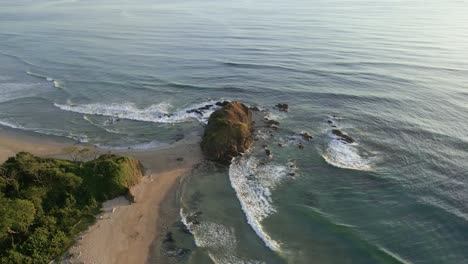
x,y
158,113
219,240
253,186
141,146
10,125
346,156
50,132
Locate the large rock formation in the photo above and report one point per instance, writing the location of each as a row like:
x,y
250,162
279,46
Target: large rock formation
x,y
228,132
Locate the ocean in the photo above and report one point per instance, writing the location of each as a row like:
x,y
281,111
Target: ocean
x,y
391,74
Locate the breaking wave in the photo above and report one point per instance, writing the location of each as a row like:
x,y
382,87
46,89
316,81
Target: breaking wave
x,y
342,154
10,125
158,113
51,132
253,184
219,240
56,83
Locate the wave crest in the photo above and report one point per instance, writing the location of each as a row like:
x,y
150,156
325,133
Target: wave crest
x,y
253,184
220,241
158,113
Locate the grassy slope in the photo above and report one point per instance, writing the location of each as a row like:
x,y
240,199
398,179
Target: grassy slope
x,y
45,202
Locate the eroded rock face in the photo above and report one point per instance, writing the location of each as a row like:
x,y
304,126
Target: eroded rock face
x,y
228,133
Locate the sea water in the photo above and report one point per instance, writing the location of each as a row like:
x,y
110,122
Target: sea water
x,y
390,74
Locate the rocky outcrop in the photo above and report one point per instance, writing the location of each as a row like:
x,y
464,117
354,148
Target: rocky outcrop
x,y
228,132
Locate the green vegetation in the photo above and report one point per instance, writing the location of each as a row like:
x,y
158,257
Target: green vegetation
x,y
228,132
44,203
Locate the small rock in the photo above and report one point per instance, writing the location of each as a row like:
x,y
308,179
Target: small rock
x,y
180,159
306,136
343,136
267,151
254,108
206,107
168,238
300,146
280,145
222,103
178,137
271,122
282,107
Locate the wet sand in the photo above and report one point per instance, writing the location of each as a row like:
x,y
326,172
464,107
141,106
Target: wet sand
x,y
13,141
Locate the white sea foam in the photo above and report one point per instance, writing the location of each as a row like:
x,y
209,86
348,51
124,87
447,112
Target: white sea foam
x,y
219,240
141,146
275,115
57,84
345,155
253,184
158,113
52,132
8,124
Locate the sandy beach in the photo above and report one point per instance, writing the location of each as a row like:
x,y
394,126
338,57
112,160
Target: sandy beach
x,y
13,141
125,232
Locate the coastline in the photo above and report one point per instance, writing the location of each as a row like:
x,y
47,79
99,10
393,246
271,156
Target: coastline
x,y
13,141
124,232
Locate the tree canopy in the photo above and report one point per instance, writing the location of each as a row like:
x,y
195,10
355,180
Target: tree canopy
x,y
45,202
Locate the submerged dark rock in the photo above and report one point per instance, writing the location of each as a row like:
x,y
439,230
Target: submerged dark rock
x,y
171,249
196,111
178,137
270,122
282,107
206,107
343,136
224,103
168,238
306,136
228,133
255,108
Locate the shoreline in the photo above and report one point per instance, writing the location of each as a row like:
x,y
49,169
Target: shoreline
x,y
13,141
124,232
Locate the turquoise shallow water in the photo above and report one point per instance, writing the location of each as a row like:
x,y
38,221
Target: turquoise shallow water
x,y
393,73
